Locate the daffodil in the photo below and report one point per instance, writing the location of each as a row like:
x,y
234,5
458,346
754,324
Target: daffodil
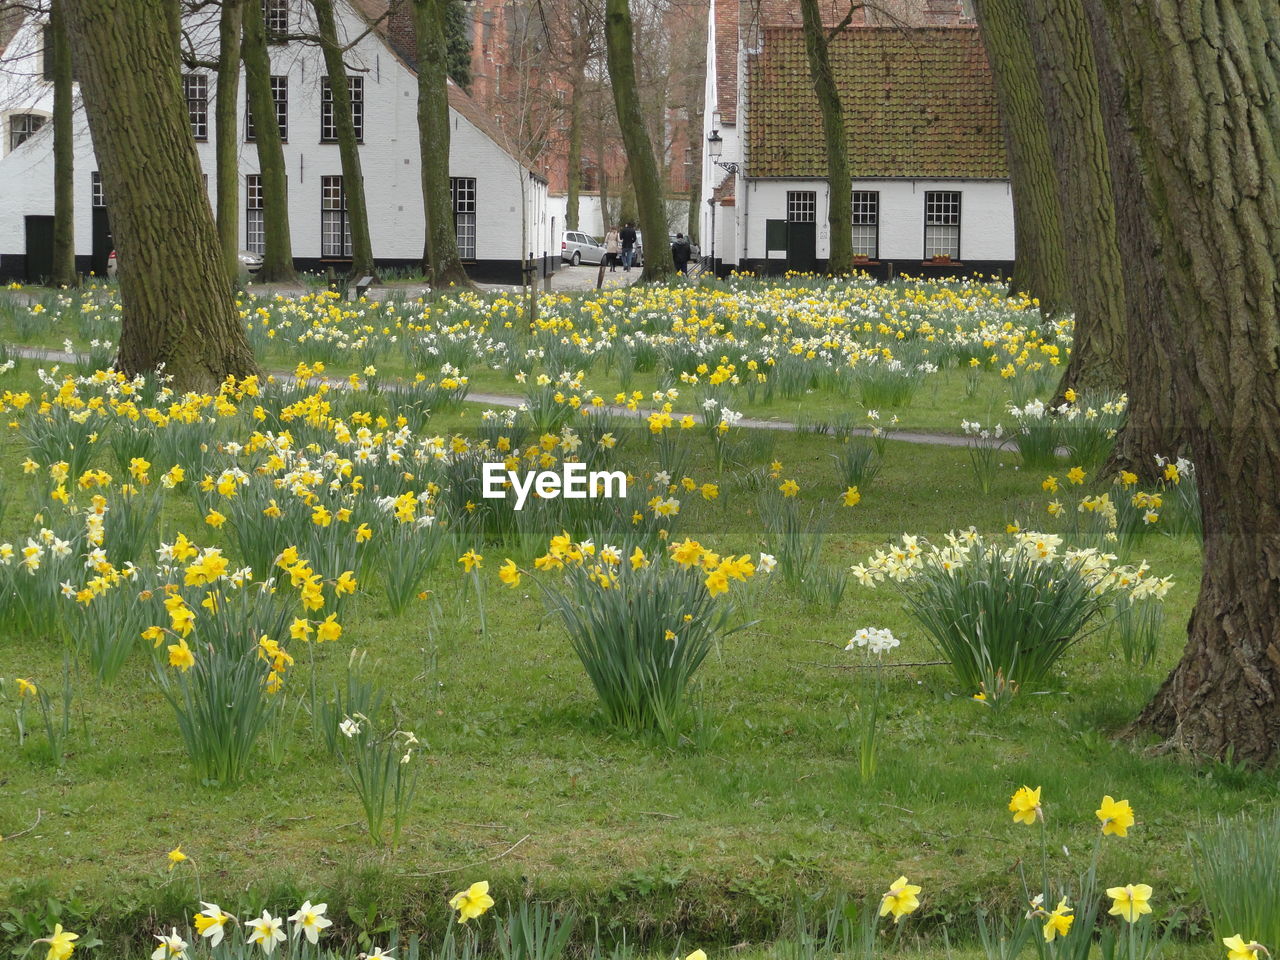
x,y
266,932
310,920
472,902
1058,923
1116,816
1237,949
176,856
1025,805
1130,901
172,947
211,922
61,943
901,899
509,573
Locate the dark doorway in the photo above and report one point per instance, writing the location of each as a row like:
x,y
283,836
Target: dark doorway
x,y
802,230
39,249
802,247
102,241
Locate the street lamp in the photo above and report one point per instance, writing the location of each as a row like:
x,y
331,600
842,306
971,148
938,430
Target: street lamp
x,y
715,146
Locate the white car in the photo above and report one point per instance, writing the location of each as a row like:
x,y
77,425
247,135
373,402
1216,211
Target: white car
x,y
251,262
577,247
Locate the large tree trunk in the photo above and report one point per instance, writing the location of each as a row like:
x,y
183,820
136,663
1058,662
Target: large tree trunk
x,y
227,137
1040,267
64,214
1203,79
645,178
443,264
1069,85
839,187
1154,423
178,311
574,173
277,260
362,264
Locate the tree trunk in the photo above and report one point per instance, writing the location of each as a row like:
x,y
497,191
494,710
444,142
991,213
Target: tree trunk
x,y
227,137
1069,86
574,172
645,178
362,264
1154,423
64,220
177,311
1203,81
839,187
1040,267
277,260
443,264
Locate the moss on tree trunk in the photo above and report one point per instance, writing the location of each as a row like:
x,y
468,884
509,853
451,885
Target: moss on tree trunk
x,y
1069,85
277,259
64,225
643,166
226,134
839,186
1203,80
348,145
443,264
177,310
1040,267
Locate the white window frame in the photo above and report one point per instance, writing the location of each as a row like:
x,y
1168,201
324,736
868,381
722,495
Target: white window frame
x,y
275,16
255,234
195,90
279,97
463,192
328,125
24,126
802,206
335,228
866,224
942,224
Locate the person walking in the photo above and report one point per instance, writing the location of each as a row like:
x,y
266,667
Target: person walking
x,y
612,247
681,253
628,238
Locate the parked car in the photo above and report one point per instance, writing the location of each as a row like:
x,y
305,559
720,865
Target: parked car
x,y
250,262
577,247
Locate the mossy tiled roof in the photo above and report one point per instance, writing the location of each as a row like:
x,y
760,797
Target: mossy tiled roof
x,y
917,103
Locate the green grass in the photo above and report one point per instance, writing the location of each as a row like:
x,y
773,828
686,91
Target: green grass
x,y
707,843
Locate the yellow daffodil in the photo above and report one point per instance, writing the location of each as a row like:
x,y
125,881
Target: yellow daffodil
x,y
180,655
1025,805
1058,923
176,856
61,943
1237,949
509,573
851,497
472,902
470,561
901,899
1116,816
1130,901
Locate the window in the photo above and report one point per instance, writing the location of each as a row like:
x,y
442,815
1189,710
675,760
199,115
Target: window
x,y
328,125
275,15
335,232
22,127
802,206
942,224
464,215
280,97
195,87
866,223
97,196
255,237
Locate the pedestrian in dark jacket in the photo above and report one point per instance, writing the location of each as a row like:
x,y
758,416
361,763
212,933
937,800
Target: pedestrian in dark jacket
x,y
681,253
628,237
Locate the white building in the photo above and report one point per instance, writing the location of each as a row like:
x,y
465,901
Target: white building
x,y
931,188
500,204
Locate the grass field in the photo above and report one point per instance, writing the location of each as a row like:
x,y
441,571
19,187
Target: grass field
x,y
709,839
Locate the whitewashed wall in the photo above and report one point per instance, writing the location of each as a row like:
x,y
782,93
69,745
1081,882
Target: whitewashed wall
x,y
986,216
389,156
